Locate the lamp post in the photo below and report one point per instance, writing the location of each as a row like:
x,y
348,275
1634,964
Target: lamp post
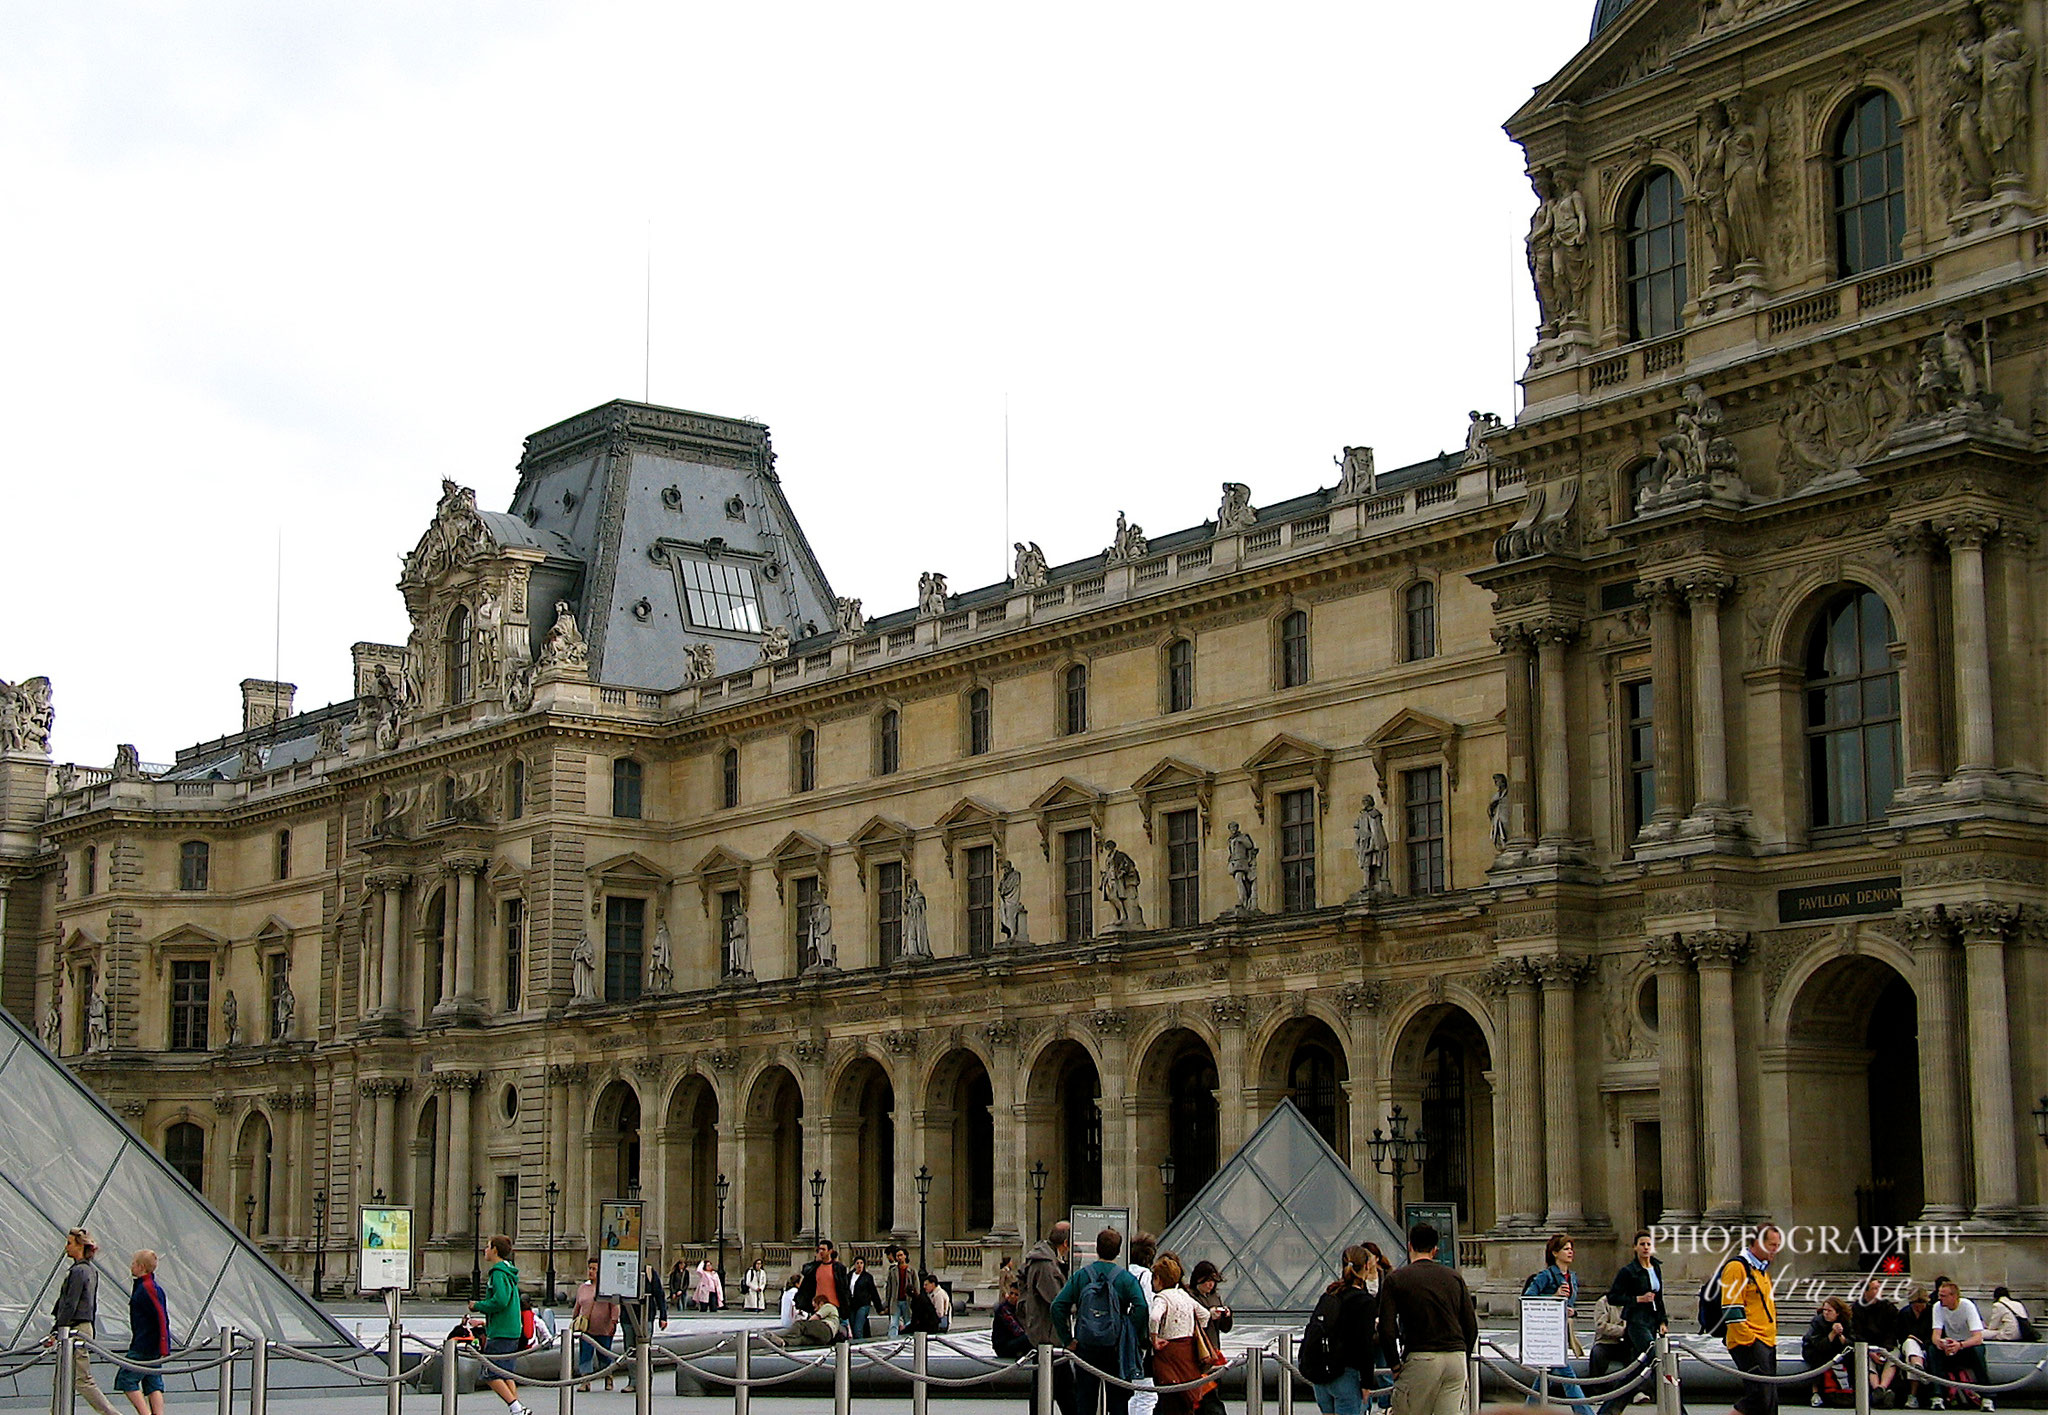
x,y
249,1216
924,1192
1166,1184
553,1194
720,1186
1398,1154
476,1241
817,1204
319,1241
1038,1178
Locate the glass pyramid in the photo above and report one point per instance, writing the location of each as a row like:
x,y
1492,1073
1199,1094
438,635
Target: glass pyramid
x,y
1277,1218
67,1161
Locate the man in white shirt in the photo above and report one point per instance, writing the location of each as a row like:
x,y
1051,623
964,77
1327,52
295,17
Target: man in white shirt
x,y
1958,1343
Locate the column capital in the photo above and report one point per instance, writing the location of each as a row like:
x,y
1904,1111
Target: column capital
x,y
1558,630
1968,530
389,880
1984,921
1912,539
384,1086
1668,952
466,862
901,1042
457,1080
1661,594
1927,927
1109,1021
1719,948
1228,1011
1513,638
1002,1032
1708,586
1561,971
1503,975
810,1051
568,1073
1367,996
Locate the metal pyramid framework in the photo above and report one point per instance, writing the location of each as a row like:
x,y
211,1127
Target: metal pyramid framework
x,y
1277,1218
67,1161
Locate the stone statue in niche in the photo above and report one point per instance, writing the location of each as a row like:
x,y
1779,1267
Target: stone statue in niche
x,y
847,615
2008,68
1695,460
25,715
931,594
231,1018
1011,916
583,969
564,648
1559,261
917,935
99,1030
1369,837
1481,427
739,953
1130,543
1235,514
1030,570
1241,856
53,1020
1355,473
700,663
1962,116
774,643
661,974
1733,187
489,648
1119,886
283,1009
820,952
1497,813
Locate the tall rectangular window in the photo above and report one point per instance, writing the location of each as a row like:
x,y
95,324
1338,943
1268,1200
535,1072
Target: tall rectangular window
x,y
889,909
1180,675
279,968
1294,649
1642,754
1422,801
515,806
731,915
807,760
1183,869
1074,700
284,854
977,723
192,864
981,899
1419,609
729,777
515,952
806,901
1297,851
625,935
720,595
1077,884
626,789
889,744
508,1205
191,1004
92,869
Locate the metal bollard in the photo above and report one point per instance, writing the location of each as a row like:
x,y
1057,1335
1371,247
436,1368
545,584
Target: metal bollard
x,y
1255,1381
448,1370
1543,1386
1041,1380
1286,1376
61,1380
741,1394
842,1378
227,1370
1860,1362
565,1400
1667,1377
394,1354
259,1376
920,1362
1473,1371
643,1374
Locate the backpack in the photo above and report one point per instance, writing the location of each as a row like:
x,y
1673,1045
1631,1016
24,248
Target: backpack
x,y
1097,1322
1711,1306
1314,1356
1608,1322
2028,1331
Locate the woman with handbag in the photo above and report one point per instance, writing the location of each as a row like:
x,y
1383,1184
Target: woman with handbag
x,y
1179,1352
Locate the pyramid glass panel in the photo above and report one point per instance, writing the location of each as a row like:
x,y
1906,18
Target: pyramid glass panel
x,y
66,1161
1277,1217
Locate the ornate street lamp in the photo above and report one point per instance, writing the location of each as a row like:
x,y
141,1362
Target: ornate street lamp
x,y
553,1194
720,1186
249,1216
1038,1178
319,1240
817,1204
476,1241
924,1192
1166,1183
1398,1154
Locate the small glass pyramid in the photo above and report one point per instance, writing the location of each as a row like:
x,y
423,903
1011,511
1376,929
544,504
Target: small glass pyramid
x,y
1277,1218
67,1161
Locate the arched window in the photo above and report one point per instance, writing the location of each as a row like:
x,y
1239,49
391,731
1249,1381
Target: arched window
x,y
459,649
1870,185
977,723
889,742
728,778
1641,477
1418,610
193,859
1656,256
1074,700
1294,648
807,760
1180,675
626,788
1852,712
185,1148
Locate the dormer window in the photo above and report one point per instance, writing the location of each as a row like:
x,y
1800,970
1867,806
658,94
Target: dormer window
x,y
721,594
1656,256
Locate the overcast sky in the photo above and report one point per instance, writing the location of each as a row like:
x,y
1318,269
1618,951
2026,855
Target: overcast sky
x,y
275,269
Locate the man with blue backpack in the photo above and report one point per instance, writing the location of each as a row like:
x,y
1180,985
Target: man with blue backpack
x,y
1100,1316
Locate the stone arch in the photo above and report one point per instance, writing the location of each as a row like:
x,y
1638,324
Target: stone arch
x,y
1832,107
1304,1058
255,1173
1783,640
771,1143
1063,1124
860,1141
689,1140
615,1141
957,1121
1630,181
185,1143
1175,1113
424,1171
1442,1056
435,935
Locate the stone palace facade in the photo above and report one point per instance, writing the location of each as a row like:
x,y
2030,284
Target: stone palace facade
x,y
1647,798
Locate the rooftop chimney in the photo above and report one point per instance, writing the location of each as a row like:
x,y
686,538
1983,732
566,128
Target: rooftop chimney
x,y
265,702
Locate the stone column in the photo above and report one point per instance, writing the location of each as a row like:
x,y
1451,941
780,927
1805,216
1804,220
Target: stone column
x,y
1667,699
1914,546
1521,1204
1554,776
441,1208
816,1156
461,1095
570,1081
1004,1085
391,984
1517,649
1718,952
1941,1092
1677,1076
466,1003
1361,1003
1561,974
1705,590
1984,928
1966,533
1119,1144
1235,1108
383,1092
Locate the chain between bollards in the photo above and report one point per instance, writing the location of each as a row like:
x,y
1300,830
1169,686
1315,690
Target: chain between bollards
x,y
448,1370
1286,1373
227,1370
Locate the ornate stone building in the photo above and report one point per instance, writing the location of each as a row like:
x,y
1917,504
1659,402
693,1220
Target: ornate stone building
x,y
1700,709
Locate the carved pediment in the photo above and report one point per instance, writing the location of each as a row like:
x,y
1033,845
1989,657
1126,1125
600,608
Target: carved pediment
x,y
456,537
1066,802
82,941
1289,758
274,928
1411,733
1171,782
799,853
631,870
971,819
189,941
882,838
720,870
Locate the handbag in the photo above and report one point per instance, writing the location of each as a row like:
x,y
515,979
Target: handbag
x,y
1206,1347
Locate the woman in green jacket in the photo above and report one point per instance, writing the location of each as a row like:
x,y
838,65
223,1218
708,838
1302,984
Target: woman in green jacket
x,y
504,1322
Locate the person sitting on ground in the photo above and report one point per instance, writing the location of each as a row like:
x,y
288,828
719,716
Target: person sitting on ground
x,y
1875,1321
1825,1349
931,1310
820,1327
789,1291
1958,1350
1915,1333
1006,1322
2005,1319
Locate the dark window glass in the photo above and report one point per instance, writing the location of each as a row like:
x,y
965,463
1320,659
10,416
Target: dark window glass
x,y
1074,714
625,931
92,869
1294,649
284,854
193,858
1642,754
981,899
508,1204
280,971
889,909
1312,1078
191,1004
1297,851
515,952
1419,605
977,723
1422,796
1852,713
626,788
1183,869
1640,479
1180,675
806,901
1870,186
730,913
1656,257
1077,884
889,754
447,798
460,647
807,760
728,778
185,1149
516,807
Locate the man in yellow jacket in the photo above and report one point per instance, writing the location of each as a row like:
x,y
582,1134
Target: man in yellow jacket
x,y
1749,1317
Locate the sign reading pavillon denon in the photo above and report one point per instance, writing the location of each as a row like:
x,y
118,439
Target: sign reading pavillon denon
x,y
1838,900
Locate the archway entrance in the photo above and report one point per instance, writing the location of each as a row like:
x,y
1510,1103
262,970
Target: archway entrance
x,y
253,1159
1440,1069
1176,1116
1304,1061
960,1139
615,1150
692,1139
774,1149
1063,1128
426,1154
861,1201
